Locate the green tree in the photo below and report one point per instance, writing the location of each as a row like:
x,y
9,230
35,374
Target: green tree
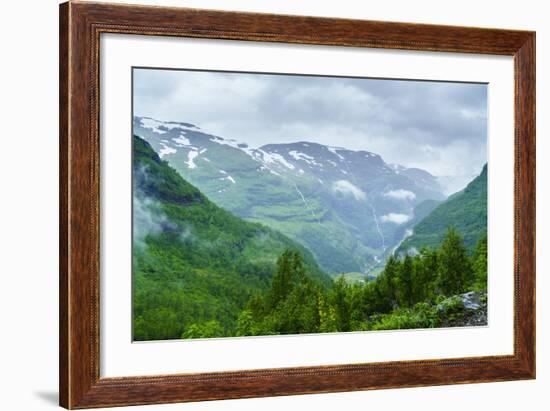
x,y
245,323
291,305
425,274
358,308
405,282
327,315
385,289
480,264
289,269
208,329
298,313
339,299
455,272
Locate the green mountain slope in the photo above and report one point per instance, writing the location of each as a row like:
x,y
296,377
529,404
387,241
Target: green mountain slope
x,y
193,262
347,207
466,211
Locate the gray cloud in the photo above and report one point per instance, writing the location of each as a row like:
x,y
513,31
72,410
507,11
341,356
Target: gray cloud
x,y
441,127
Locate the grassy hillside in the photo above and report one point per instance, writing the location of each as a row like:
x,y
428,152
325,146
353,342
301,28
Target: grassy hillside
x,y
195,264
466,211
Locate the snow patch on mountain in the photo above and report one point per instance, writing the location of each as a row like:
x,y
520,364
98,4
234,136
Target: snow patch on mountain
x,y
235,144
225,142
152,125
162,127
296,155
166,150
299,156
181,141
334,150
228,177
190,159
275,158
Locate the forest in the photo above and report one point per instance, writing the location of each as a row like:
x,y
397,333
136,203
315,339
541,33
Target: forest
x,y
195,264
413,292
201,272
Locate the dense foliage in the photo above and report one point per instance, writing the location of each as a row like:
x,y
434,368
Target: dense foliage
x,y
199,272
195,265
413,292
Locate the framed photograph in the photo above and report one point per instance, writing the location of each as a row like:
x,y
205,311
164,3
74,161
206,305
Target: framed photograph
x,y
258,205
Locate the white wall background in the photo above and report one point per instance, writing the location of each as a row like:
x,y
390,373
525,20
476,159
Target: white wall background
x,y
29,189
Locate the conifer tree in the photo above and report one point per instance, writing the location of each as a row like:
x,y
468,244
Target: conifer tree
x,y
455,272
425,270
480,263
405,282
327,315
297,267
281,283
245,323
386,283
339,300
298,313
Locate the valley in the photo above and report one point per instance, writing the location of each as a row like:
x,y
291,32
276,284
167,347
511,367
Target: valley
x,y
199,271
349,208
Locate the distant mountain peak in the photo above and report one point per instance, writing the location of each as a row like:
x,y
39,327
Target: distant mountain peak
x,y
347,206
162,127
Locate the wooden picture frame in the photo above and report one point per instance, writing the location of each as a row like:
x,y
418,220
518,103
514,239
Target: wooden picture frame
x,y
80,27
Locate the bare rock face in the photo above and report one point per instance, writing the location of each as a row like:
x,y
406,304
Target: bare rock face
x,y
464,310
472,300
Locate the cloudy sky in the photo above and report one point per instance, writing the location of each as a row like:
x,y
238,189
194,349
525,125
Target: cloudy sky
x,y
440,127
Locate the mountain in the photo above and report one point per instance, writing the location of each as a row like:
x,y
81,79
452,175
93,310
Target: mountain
x,y
348,207
420,211
194,262
466,211
420,177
